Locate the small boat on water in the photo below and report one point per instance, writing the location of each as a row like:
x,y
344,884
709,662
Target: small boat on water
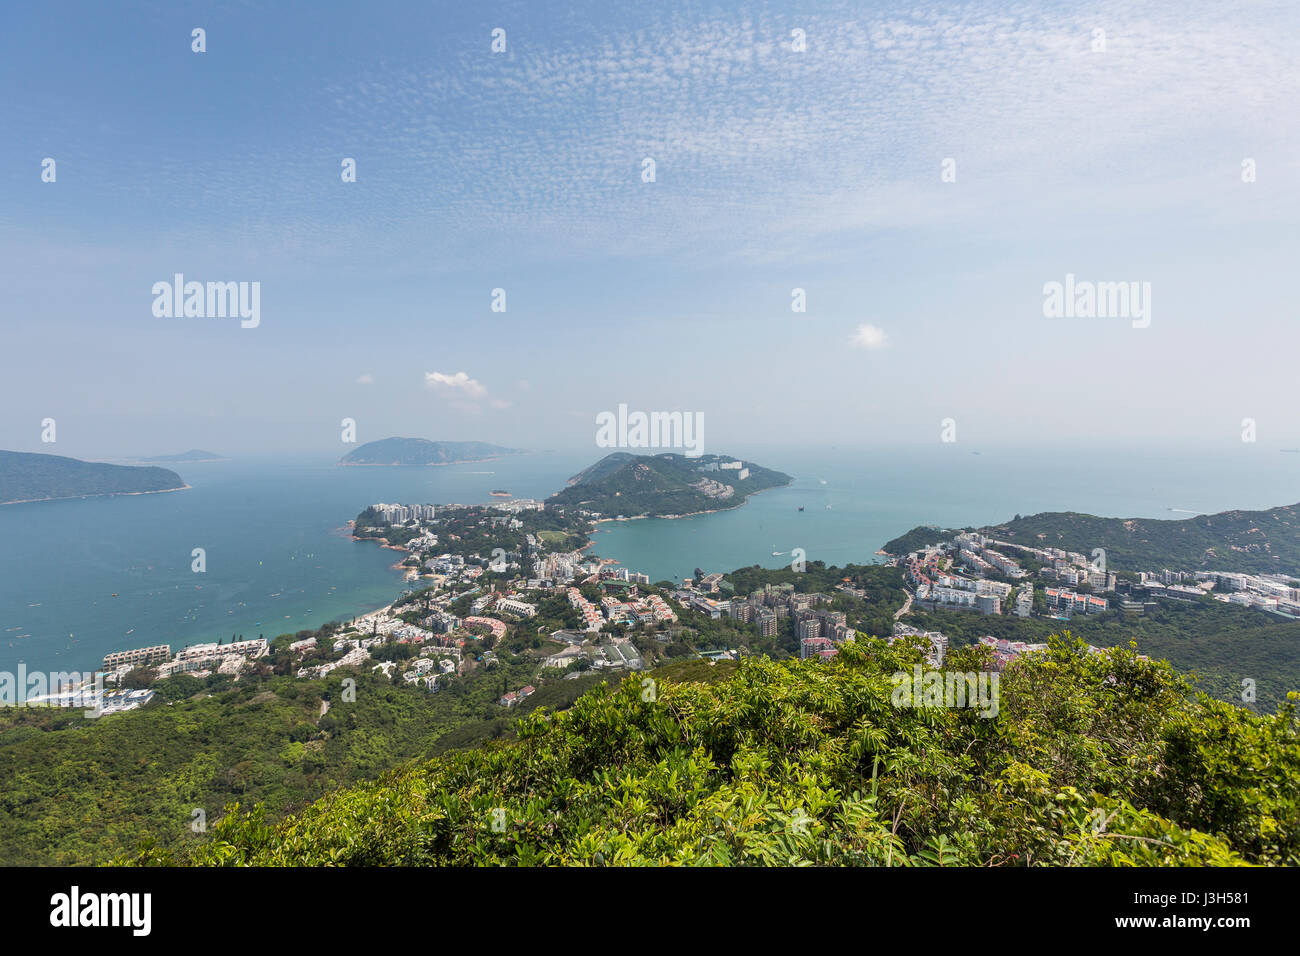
x,y
801,507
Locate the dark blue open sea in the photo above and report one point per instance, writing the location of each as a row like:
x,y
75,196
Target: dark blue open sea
x,y
83,577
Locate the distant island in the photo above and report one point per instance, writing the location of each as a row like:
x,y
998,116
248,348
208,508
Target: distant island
x,y
499,493
421,451
1251,541
667,485
26,476
194,454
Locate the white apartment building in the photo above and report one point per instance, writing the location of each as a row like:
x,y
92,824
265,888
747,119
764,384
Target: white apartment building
x,y
511,606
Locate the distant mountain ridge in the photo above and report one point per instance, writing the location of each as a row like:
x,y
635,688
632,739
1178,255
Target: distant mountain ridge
x,y
194,454
1251,541
669,484
28,476
422,451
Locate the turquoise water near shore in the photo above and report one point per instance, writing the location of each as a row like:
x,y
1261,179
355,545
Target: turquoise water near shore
x,y
278,553
279,558
855,500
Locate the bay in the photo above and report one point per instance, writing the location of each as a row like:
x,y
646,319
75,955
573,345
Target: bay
x,y
857,499
84,577
279,558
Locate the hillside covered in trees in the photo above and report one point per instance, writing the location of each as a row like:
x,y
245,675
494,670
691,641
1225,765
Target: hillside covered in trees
x,y
662,485
27,476
81,792
1257,542
1219,645
1253,541
1090,760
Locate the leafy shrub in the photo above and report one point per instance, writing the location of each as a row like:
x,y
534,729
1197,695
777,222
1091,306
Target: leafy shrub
x,y
1090,760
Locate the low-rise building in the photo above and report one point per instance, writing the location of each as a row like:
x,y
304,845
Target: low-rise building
x,y
139,657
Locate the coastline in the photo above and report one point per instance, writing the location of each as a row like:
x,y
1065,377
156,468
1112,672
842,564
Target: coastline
x,y
693,514
412,575
101,494
409,574
603,561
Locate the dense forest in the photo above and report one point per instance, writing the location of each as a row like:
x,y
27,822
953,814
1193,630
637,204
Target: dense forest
x,y
81,791
1089,760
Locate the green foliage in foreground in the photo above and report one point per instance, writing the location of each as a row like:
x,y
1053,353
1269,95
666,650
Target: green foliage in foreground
x,y
1091,760
77,791
1218,644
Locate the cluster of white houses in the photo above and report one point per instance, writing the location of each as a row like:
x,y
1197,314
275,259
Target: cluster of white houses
x,y
197,658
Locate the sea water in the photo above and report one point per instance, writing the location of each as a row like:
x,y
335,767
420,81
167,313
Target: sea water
x,y
80,578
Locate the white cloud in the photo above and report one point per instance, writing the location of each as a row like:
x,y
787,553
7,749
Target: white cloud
x,y
927,83
782,164
869,337
458,384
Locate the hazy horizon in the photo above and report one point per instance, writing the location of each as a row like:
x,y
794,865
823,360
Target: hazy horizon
x,y
751,450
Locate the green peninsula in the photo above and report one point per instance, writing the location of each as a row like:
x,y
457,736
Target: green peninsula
x,y
667,485
27,476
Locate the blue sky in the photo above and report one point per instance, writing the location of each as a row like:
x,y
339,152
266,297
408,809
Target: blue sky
x,y
775,169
